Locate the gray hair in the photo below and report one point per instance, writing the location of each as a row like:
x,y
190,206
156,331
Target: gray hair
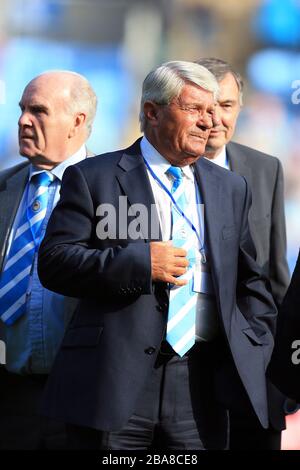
x,y
82,96
165,82
220,68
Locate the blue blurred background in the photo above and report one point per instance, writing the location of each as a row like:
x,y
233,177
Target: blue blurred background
x,y
114,43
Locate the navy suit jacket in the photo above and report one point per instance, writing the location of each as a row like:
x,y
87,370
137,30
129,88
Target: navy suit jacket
x,y
12,184
112,341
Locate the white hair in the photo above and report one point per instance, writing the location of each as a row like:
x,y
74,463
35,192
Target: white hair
x,y
165,82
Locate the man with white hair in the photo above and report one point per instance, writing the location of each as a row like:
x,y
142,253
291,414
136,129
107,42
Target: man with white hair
x,y
57,112
158,333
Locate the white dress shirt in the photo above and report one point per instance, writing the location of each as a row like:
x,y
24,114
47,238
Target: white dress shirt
x,y
159,166
221,159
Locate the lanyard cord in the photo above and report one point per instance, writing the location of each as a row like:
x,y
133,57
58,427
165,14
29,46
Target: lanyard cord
x,y
192,226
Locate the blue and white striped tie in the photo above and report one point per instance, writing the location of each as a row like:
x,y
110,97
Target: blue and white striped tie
x,y
182,305
14,279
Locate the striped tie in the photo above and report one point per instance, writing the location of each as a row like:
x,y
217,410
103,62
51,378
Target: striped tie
x,y
182,305
14,279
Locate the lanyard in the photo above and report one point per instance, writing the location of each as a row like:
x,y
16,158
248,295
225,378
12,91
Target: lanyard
x,y
189,222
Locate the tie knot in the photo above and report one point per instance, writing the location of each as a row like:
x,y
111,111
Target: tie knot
x,y
176,174
42,179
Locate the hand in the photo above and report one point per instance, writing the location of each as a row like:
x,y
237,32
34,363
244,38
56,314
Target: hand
x,y
168,263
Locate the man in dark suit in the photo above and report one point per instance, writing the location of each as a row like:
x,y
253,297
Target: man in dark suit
x,y
267,226
174,308
57,111
284,369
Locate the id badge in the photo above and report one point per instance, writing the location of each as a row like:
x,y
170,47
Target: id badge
x,y
197,274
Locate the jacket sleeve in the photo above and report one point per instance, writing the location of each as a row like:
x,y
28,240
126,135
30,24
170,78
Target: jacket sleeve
x,y
284,369
254,297
70,261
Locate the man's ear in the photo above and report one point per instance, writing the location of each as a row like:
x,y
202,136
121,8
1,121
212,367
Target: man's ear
x,y
151,110
78,123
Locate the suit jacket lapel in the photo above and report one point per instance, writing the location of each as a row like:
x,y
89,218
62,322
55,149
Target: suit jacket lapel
x,y
210,189
133,178
11,192
238,163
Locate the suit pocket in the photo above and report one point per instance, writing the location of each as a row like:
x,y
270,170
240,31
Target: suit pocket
x,y
252,336
261,220
229,232
246,328
84,336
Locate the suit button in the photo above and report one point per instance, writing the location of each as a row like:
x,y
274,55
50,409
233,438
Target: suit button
x,y
150,350
160,308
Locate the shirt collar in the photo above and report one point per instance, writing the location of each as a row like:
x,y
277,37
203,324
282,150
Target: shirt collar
x,y
158,163
221,159
59,170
